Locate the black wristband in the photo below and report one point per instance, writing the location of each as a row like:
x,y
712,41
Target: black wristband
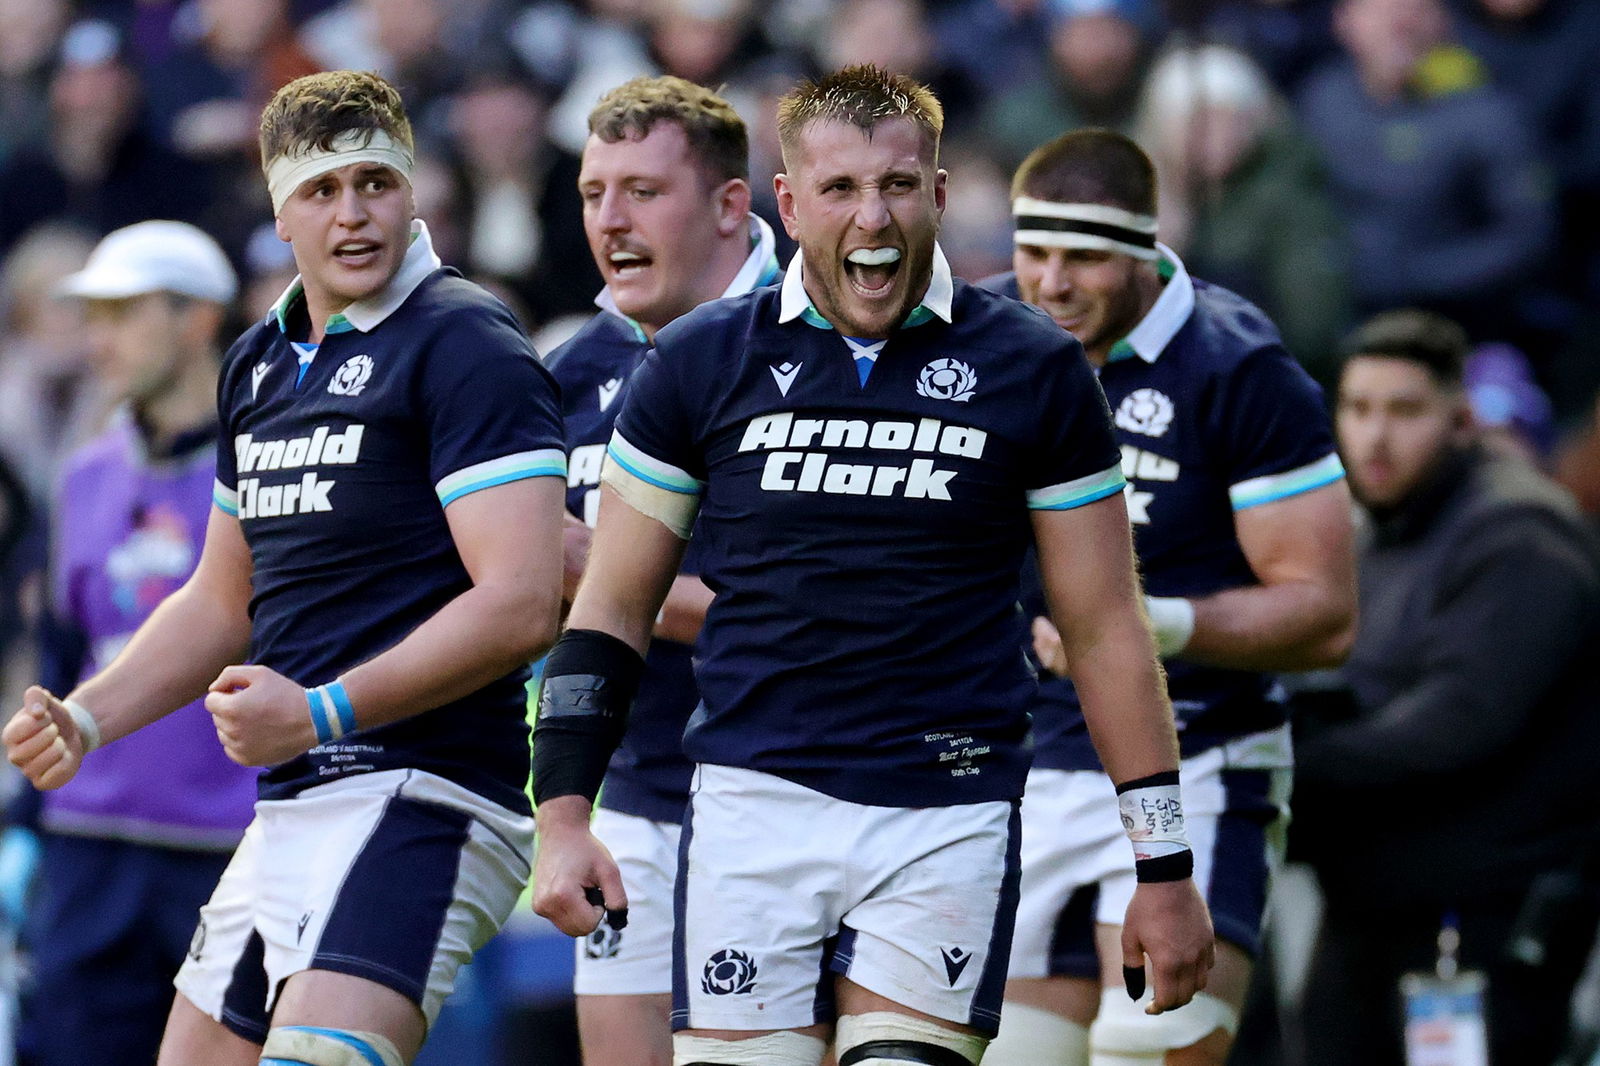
x,y
1174,867
590,679
1165,777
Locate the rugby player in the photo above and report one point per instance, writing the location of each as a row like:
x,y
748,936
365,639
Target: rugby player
x,y
1242,524
868,449
666,195
380,563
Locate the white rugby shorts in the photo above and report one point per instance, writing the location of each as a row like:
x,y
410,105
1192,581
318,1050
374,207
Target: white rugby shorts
x,y
636,961
1077,864
781,887
396,876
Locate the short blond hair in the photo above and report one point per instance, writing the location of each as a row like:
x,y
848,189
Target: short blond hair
x,y
716,134
310,112
862,96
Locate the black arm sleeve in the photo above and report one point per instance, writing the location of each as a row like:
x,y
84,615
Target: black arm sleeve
x,y
590,679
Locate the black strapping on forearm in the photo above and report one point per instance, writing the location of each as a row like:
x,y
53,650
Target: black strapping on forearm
x,y
590,679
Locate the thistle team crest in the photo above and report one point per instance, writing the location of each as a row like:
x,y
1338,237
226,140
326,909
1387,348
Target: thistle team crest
x,y
947,379
351,377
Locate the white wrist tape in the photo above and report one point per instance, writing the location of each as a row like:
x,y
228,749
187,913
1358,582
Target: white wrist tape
x,y
1153,818
1172,618
88,728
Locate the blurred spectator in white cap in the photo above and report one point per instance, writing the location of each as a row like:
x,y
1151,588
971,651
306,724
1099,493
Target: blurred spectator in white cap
x,y
1099,50
1243,197
98,167
150,822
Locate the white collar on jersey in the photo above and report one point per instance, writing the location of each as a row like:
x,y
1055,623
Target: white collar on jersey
x,y
759,268
938,298
366,315
1166,317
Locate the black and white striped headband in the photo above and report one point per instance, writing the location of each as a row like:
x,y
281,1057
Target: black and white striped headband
x,y
1047,224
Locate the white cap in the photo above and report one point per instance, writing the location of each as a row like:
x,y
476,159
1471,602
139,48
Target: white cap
x,y
155,257
1208,75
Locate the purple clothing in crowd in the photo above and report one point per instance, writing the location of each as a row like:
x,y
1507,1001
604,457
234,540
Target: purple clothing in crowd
x,y
129,530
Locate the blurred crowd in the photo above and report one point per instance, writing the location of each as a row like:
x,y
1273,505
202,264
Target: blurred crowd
x,y
1328,159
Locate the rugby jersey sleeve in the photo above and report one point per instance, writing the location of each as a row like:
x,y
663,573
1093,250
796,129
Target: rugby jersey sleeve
x,y
1076,460
654,438
1273,431
491,411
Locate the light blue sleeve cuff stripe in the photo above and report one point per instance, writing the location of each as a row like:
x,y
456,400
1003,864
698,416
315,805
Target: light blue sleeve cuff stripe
x,y
1076,493
545,462
502,479
650,470
1270,487
226,499
341,704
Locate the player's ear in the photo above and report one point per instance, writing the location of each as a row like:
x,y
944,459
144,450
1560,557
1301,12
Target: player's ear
x,y
785,192
733,206
941,182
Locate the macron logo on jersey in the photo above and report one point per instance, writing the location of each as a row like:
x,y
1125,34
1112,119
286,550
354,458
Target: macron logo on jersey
x,y
608,392
311,493
812,471
784,375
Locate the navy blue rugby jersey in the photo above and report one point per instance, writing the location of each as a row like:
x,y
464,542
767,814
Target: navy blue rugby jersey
x,y
1213,417
340,469
649,774
863,529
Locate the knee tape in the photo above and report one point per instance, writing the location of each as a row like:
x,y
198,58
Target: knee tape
x,y
309,1045
770,1049
1124,1034
886,1038
1033,1036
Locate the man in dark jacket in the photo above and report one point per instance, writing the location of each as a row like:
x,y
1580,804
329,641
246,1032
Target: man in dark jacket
x,y
1455,788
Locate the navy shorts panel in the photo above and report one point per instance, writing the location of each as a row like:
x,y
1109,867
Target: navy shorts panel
x,y
392,906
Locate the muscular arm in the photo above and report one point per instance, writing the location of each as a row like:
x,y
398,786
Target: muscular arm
x,y
193,634
682,614
633,562
1302,614
1086,567
506,536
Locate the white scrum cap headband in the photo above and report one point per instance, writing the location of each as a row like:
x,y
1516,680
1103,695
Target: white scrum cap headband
x,y
286,173
1047,224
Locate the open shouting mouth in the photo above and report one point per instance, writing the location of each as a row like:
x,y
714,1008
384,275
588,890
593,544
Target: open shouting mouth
x,y
871,271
